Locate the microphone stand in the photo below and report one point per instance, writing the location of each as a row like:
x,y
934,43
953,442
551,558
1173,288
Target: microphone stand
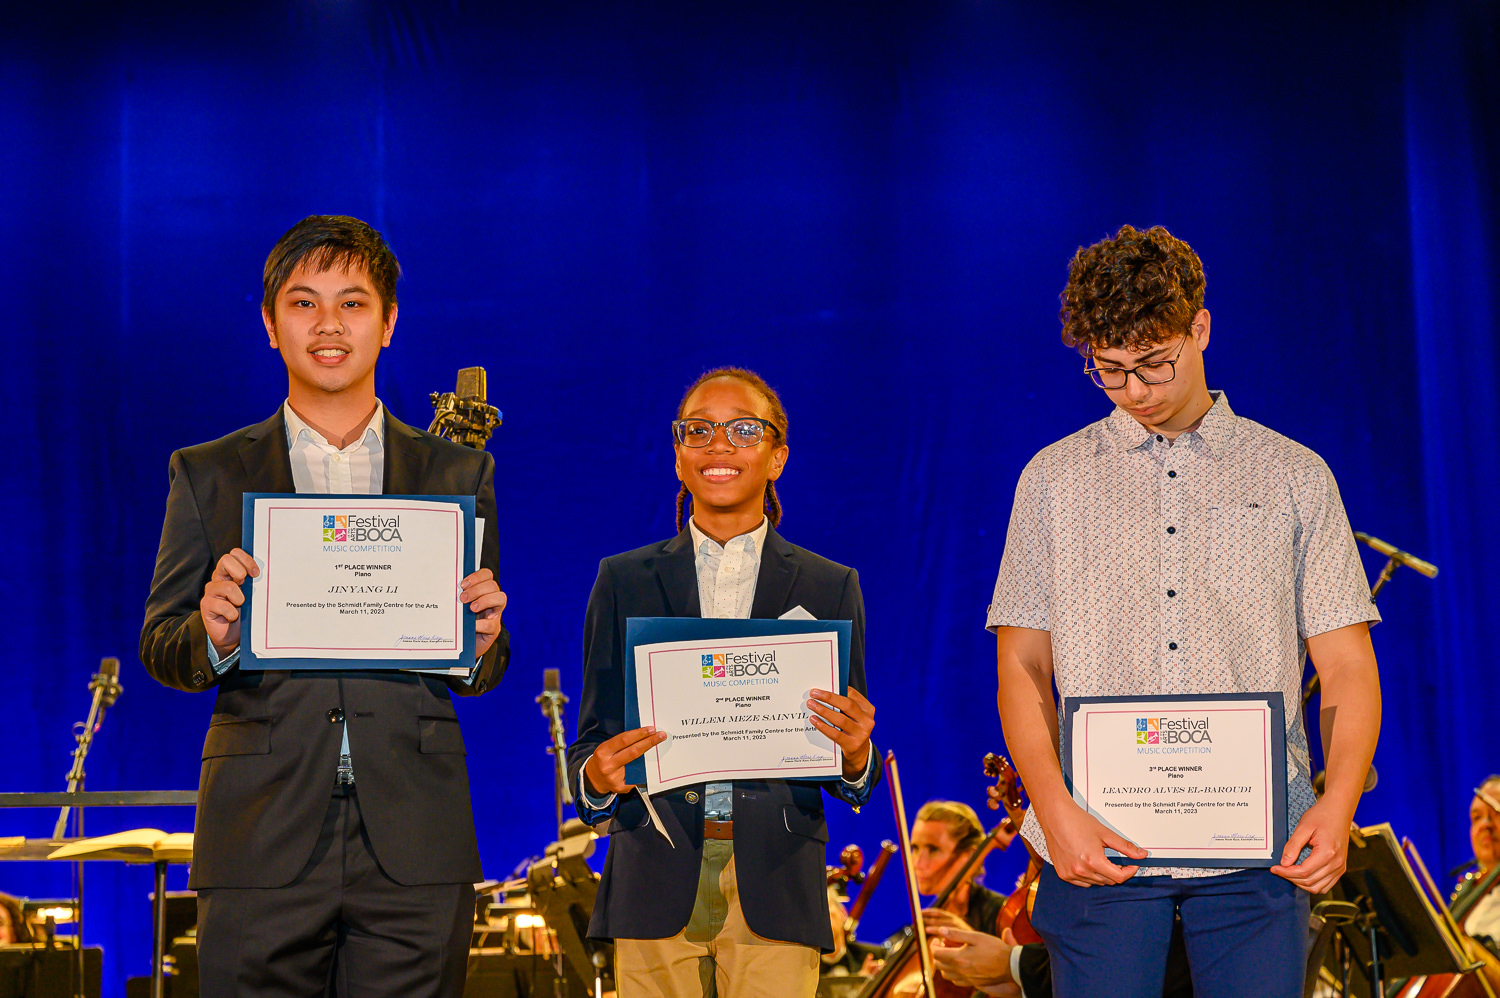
x,y
551,701
106,687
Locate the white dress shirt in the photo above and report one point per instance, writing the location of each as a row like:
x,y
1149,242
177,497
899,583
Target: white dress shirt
x,y
726,590
320,467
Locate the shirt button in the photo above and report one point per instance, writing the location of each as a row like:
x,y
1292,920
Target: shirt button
x,y
1159,438
336,715
1171,592
1171,530
1171,474
1172,645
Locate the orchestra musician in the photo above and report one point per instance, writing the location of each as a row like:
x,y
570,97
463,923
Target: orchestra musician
x,y
1482,922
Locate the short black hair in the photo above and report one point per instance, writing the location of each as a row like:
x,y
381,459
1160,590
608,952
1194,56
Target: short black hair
x,y
328,241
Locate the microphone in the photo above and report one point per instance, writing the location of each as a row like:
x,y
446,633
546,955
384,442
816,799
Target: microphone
x,y
1427,568
463,415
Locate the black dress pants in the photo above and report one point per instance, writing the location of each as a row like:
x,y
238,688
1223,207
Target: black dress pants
x,y
341,928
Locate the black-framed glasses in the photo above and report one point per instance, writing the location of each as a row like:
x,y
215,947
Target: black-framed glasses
x,y
742,431
1158,372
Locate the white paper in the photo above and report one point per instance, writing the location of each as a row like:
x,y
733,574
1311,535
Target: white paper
x,y
1180,780
736,708
357,578
462,671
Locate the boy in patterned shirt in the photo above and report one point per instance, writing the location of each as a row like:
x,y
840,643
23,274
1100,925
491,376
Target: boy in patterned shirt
x,y
1175,547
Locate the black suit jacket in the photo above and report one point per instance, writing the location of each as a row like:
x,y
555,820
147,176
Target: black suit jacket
x,y
780,836
271,752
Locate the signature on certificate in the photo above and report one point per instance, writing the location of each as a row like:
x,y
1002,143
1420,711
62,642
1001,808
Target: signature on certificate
x,y
806,758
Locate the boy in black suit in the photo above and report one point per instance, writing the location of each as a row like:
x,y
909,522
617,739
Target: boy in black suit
x,y
334,839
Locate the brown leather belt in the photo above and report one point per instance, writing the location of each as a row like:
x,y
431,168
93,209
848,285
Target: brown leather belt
x,y
718,829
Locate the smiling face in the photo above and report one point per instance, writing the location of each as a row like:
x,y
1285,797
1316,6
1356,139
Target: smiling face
x,y
329,329
1484,827
1176,405
934,854
728,483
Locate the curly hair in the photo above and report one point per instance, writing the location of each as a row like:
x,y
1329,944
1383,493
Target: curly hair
x,y
758,385
1131,292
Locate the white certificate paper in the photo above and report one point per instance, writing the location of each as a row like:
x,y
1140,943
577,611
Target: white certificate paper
x,y
736,708
357,578
1197,781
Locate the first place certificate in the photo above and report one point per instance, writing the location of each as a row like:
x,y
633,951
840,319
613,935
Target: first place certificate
x,y
358,581
1198,781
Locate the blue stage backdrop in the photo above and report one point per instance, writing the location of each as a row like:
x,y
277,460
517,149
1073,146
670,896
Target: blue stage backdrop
x,y
872,204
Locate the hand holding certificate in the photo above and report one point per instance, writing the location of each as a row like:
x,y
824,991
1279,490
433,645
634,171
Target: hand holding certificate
x,y
731,697
358,581
1197,781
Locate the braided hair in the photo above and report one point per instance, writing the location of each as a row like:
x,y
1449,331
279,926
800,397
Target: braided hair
x,y
778,416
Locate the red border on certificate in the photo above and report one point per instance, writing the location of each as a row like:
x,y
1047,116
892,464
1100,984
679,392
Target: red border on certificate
x,y
458,576
1266,717
829,639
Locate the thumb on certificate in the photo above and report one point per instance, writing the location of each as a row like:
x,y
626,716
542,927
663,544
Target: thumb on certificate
x,y
1121,844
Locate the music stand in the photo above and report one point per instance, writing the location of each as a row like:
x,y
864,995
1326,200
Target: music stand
x,y
1383,901
111,798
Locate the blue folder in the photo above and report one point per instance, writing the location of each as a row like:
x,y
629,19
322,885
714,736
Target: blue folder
x,y
1278,774
656,630
248,659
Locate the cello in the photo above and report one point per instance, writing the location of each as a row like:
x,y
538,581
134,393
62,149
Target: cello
x,y
902,974
1483,981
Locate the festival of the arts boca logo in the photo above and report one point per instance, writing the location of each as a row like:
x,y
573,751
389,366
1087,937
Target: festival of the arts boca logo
x,y
346,529
730,664
1171,731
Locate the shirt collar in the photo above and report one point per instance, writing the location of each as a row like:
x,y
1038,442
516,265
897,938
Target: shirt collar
x,y
754,541
1216,429
296,426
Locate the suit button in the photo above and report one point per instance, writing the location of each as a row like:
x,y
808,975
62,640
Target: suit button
x,y
336,715
199,679
692,796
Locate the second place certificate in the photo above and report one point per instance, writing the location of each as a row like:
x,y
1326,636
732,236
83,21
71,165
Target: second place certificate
x,y
736,707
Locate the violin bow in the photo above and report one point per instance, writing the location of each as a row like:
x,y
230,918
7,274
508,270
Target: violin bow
x,y
893,777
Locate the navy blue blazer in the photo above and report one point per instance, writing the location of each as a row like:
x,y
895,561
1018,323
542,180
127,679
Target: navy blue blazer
x,y
780,836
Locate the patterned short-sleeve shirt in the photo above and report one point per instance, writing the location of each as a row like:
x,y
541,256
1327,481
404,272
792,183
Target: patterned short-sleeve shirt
x,y
1200,566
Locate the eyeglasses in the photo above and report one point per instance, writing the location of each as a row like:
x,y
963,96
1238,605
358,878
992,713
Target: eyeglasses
x,y
1158,372
745,431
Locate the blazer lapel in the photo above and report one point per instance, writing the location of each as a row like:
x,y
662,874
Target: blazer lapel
x,y
266,457
407,456
677,571
778,571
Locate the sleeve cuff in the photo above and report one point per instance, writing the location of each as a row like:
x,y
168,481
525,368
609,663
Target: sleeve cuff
x,y
596,803
1015,970
221,666
864,777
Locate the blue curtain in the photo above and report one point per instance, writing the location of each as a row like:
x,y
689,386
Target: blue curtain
x,y
872,204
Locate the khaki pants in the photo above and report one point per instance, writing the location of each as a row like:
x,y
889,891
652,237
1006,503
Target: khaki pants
x,y
716,956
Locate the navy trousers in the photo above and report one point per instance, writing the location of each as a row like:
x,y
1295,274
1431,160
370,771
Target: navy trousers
x,y
1245,932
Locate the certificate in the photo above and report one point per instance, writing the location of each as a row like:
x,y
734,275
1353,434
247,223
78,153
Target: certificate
x,y
732,694
1199,781
357,581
